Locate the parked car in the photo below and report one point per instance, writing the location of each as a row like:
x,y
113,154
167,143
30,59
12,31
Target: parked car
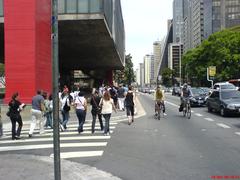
x,y
224,85
224,101
197,97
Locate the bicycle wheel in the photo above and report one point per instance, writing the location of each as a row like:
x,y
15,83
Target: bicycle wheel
x,y
188,111
184,111
159,113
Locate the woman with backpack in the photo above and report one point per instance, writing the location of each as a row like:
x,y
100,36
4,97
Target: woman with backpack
x,y
96,110
65,108
130,103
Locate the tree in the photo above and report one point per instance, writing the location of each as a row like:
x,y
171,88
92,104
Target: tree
x,y
126,75
222,50
167,75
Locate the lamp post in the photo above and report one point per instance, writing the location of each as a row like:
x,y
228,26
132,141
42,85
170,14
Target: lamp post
x,y
55,78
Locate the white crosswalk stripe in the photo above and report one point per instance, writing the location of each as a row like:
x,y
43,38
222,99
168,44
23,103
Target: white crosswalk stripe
x,y
85,144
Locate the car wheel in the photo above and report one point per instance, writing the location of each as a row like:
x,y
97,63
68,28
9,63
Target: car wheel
x,y
222,112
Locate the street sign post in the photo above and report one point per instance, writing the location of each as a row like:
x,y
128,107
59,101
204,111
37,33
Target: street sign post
x,y
211,72
55,78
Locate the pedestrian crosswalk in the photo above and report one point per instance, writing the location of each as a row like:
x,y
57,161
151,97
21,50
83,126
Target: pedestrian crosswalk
x,y
72,144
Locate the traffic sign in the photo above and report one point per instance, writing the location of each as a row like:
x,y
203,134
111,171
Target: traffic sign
x,y
212,71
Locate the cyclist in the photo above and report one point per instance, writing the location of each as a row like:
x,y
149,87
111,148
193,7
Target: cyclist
x,y
159,99
185,94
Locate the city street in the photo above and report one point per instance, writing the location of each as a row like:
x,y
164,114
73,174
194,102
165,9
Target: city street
x,y
206,146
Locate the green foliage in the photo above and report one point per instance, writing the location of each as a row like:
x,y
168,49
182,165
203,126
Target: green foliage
x,y
222,50
167,74
125,76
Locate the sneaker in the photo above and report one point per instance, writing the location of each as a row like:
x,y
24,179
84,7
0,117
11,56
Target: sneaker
x,y
29,135
164,114
108,134
61,127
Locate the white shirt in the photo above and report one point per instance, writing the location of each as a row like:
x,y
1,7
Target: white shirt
x,y
107,106
63,101
80,101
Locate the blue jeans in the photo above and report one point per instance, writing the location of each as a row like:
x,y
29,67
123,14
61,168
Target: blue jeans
x,y
94,116
81,114
49,119
65,116
107,119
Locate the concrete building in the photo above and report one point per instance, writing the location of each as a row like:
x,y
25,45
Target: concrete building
x,y
147,69
220,14
91,39
138,76
141,67
164,53
187,16
197,26
174,58
157,57
178,21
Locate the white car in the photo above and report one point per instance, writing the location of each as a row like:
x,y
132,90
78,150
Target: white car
x,y
224,86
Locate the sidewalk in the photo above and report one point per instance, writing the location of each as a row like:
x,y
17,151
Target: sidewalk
x,y
30,167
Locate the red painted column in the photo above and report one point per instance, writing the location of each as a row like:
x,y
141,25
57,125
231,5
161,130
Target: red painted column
x,y
27,31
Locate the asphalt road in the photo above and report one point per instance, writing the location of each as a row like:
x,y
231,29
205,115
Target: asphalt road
x,y
207,146
174,148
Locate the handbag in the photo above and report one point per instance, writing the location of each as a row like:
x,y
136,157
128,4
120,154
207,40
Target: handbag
x,y
8,113
99,108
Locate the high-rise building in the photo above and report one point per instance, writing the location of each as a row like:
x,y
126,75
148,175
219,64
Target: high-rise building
x,y
157,57
197,25
141,67
148,69
220,14
178,21
187,29
174,58
137,75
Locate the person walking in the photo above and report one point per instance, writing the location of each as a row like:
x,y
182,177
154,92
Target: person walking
x,y
130,103
37,113
107,105
65,108
81,109
15,106
48,103
96,110
121,97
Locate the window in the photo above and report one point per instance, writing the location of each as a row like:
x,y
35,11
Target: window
x,y
83,6
95,6
61,6
71,6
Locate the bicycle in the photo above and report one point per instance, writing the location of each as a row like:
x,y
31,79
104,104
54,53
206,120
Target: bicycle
x,y
187,109
158,110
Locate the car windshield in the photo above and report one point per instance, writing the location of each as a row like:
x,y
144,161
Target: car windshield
x,y
228,86
196,91
230,94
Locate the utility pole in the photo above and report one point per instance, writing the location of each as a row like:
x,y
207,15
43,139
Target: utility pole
x,y
55,77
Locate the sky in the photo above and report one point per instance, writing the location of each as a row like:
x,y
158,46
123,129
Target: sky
x,y
145,21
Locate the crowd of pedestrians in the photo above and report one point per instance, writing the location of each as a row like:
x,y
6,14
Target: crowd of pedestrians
x,y
103,102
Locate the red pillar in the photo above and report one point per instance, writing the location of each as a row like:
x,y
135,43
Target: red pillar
x,y
27,31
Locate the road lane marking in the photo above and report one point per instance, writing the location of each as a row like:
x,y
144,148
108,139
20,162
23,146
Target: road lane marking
x,y
171,104
223,125
51,139
209,119
199,115
237,133
79,154
48,146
